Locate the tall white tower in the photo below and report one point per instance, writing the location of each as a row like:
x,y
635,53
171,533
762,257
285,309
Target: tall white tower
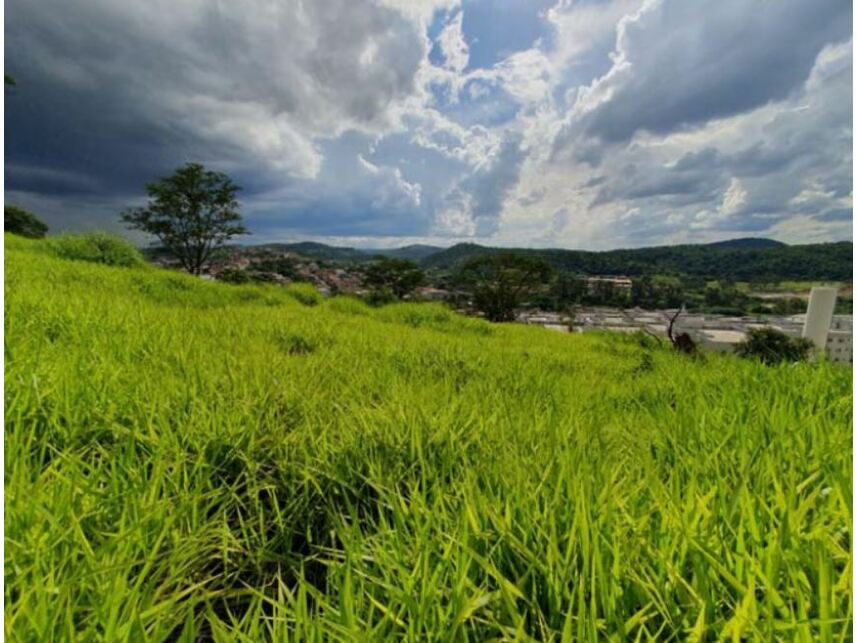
x,y
819,315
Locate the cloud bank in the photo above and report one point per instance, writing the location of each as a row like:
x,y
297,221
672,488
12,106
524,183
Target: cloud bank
x,y
580,123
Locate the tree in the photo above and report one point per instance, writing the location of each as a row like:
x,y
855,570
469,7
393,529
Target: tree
x,y
500,281
772,346
19,221
191,212
643,292
398,276
569,289
603,292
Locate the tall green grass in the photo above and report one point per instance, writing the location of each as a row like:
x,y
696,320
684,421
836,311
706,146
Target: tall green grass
x,y
197,461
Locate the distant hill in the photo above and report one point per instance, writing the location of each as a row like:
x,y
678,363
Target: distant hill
x,y
746,259
415,252
320,251
769,263
747,242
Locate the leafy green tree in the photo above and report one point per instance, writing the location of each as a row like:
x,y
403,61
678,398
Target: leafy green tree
x,y
657,291
643,292
22,222
568,290
397,276
604,293
771,346
192,213
500,282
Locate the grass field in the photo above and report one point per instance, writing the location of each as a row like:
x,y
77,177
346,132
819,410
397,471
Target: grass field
x,y
196,461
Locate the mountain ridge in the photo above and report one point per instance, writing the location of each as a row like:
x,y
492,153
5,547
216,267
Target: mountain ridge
x,y
741,259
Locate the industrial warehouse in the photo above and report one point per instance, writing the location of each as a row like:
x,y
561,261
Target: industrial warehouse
x,y
716,333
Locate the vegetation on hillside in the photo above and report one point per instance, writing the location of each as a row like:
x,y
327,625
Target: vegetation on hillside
x,y
734,277
96,247
772,346
22,222
820,261
189,460
391,278
751,260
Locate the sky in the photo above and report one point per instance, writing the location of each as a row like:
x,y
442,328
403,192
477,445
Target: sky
x,y
590,124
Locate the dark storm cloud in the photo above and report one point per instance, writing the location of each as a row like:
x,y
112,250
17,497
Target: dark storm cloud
x,y
331,114
111,95
842,214
685,62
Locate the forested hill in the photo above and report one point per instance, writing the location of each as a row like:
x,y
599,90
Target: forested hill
x,y
746,242
416,252
820,261
747,259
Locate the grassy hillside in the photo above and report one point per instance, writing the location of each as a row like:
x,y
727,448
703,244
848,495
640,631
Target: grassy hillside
x,y
187,460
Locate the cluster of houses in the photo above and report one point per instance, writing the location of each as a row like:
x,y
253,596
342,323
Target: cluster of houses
x,y
326,279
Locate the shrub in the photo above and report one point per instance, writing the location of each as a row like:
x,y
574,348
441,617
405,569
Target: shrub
x,y
380,297
304,293
98,247
264,277
19,221
233,276
771,346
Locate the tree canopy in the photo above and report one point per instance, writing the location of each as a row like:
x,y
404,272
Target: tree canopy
x,y
500,282
820,261
397,276
191,212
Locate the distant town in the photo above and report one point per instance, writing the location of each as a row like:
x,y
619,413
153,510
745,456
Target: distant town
x,y
783,310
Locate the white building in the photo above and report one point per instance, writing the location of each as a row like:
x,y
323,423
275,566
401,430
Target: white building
x,y
840,340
